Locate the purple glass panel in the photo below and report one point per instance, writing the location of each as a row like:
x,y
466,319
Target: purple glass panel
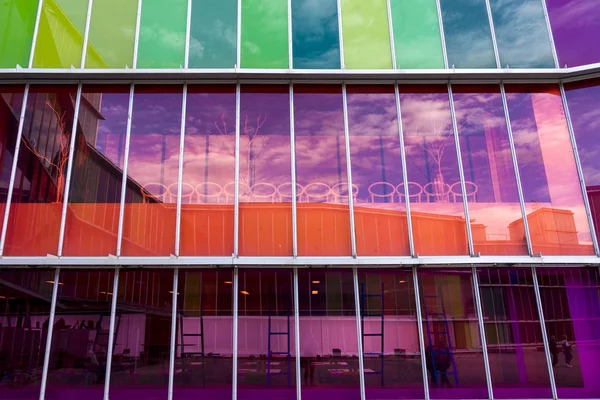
x,y
328,335
576,28
438,221
77,365
140,360
553,199
266,351
453,351
490,182
265,171
204,338
513,333
25,297
571,305
392,353
379,210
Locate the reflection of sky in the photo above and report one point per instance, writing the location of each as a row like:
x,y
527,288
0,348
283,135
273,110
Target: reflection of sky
x,y
213,33
576,29
110,141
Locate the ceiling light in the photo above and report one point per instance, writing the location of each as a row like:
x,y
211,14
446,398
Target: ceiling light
x,y
171,292
402,282
244,292
228,282
315,292
52,283
316,282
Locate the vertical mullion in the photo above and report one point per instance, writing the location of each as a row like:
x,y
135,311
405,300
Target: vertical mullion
x,y
180,170
111,334
86,34
125,172
513,154
235,332
411,243
486,360
341,35
361,362
188,30
293,170
550,34
236,205
586,201
349,171
49,335
13,171
461,171
493,32
297,335
420,330
136,43
391,29
239,35
36,29
67,187
172,348
290,37
442,34
538,300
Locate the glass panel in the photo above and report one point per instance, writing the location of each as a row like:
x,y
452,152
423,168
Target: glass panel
x,y
140,359
522,34
379,211
77,366
453,352
583,101
264,34
213,34
553,198
266,351
366,34
11,102
60,34
25,297
467,31
513,334
316,36
323,216
111,37
207,194
204,340
94,202
438,221
392,353
162,34
328,336
571,305
36,209
17,19
417,38
265,172
575,27
490,182
151,201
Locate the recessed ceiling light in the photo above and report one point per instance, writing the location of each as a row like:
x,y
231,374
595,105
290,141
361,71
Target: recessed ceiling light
x,y
52,283
402,281
316,282
228,282
315,292
244,292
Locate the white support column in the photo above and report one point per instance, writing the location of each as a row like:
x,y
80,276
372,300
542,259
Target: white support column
x,y
49,334
236,205
125,169
361,361
36,30
293,171
172,348
486,360
111,334
297,335
391,30
493,32
13,171
538,299
349,172
86,34
235,332
580,174
461,172
442,34
180,170
420,330
67,187
550,34
136,42
516,168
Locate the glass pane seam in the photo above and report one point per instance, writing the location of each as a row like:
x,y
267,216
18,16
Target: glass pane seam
x,y
349,170
442,34
136,43
36,30
293,174
111,334
236,206
493,32
172,348
188,32
361,361
486,360
391,32
550,34
341,35
86,34
125,171
420,331
49,334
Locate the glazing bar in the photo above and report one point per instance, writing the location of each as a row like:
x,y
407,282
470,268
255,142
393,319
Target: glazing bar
x,y
111,334
349,171
236,206
86,34
125,171
239,35
172,348
297,334
180,170
136,43
420,329
49,334
488,7
442,34
188,30
235,331
293,166
36,30
341,35
550,34
391,31
361,362
486,360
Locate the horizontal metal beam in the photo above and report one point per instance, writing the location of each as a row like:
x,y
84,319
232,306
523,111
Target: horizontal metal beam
x,y
293,262
47,75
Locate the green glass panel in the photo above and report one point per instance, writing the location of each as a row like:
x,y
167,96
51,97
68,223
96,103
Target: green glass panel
x,y
264,34
17,20
213,34
365,31
162,34
417,38
112,34
60,35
